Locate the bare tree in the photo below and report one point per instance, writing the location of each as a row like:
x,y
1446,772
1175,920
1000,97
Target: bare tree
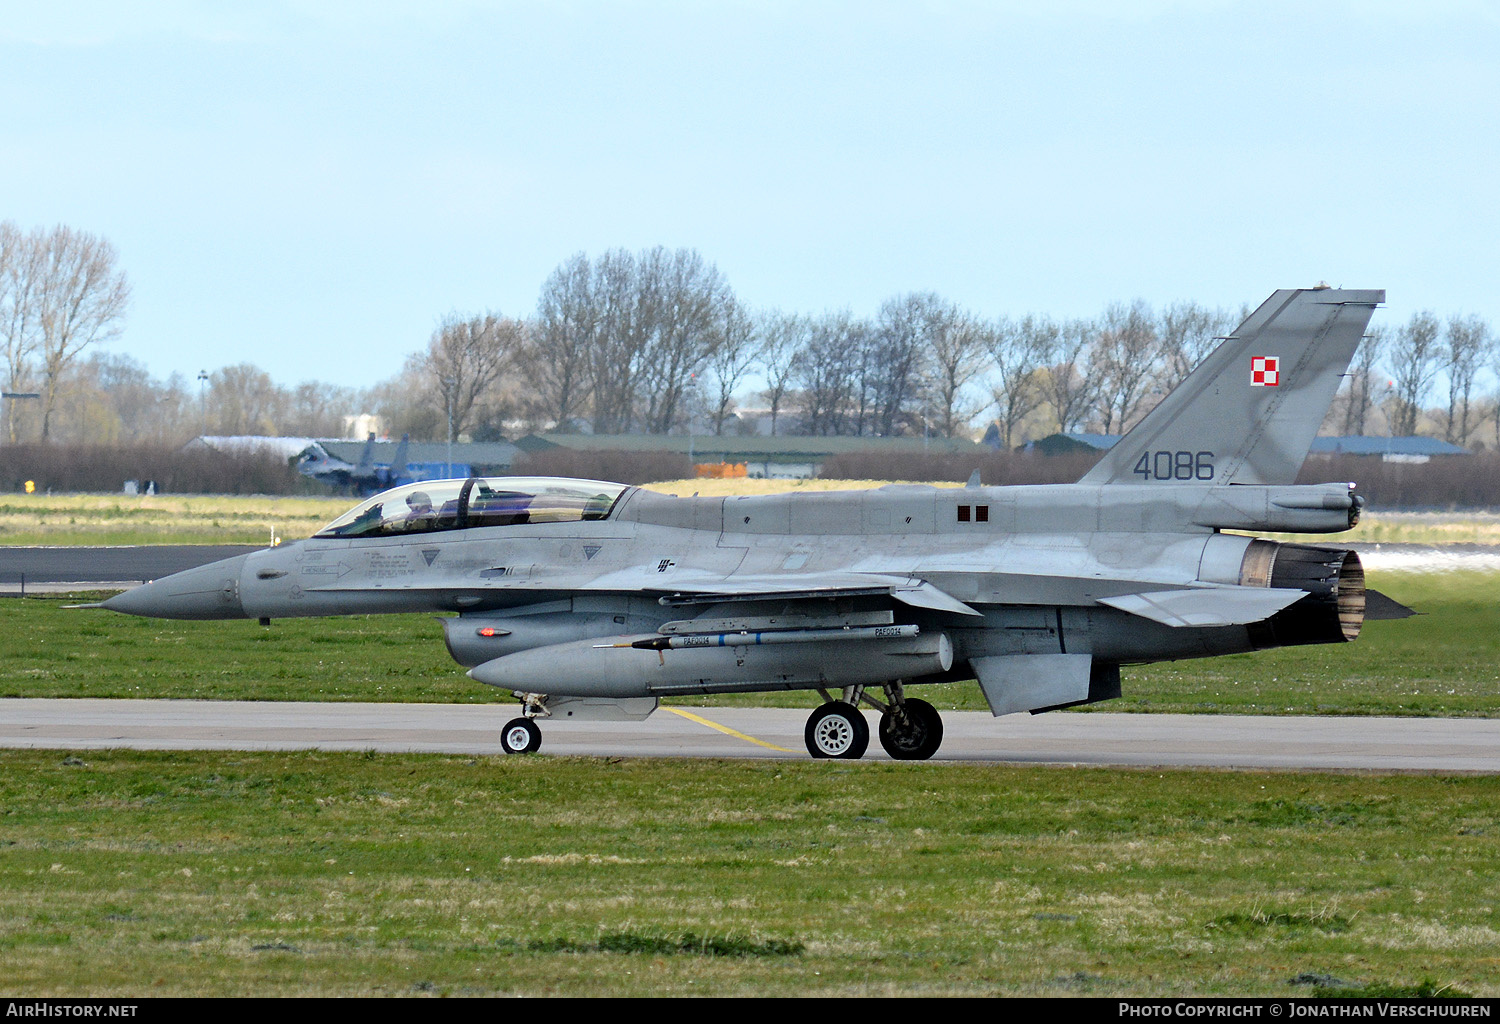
x,y
1414,360
1495,370
243,399
623,305
1126,356
407,402
147,409
1017,352
1494,405
1468,343
465,358
733,357
1362,381
1188,332
1066,382
81,300
647,322
828,374
692,304
20,275
903,339
783,337
314,408
558,360
957,357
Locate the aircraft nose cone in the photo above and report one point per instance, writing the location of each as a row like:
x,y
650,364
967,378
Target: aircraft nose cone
x,y
208,592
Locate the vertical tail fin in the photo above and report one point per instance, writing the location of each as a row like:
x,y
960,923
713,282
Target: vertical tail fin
x,y
366,467
398,461
1249,412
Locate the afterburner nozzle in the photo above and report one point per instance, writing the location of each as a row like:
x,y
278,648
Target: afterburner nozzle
x,y
210,591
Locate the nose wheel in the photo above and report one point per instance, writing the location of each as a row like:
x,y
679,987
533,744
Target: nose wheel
x,y
521,736
837,729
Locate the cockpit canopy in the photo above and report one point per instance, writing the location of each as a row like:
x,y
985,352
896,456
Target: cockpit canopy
x,y
433,505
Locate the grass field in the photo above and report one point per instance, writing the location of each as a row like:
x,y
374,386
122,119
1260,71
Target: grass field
x,y
136,873
104,519
100,519
1442,662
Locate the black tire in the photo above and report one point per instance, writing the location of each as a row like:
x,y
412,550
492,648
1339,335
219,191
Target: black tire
x,y
520,736
916,739
837,729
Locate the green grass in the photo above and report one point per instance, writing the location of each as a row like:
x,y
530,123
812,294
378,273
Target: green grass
x,y
139,873
110,519
47,650
1444,662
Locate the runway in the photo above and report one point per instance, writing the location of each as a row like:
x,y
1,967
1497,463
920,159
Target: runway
x,y
1099,738
34,569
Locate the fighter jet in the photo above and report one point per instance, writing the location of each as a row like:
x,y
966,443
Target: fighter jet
x,y
364,478
595,600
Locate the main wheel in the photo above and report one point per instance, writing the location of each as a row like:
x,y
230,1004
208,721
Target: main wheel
x,y
915,736
521,736
837,729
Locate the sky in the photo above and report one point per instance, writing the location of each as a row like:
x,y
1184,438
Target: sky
x,y
311,187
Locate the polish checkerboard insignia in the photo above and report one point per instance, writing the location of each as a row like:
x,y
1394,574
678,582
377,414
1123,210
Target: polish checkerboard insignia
x,y
1265,371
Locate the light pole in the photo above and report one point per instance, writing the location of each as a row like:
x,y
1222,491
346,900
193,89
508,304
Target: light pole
x,y
202,404
12,395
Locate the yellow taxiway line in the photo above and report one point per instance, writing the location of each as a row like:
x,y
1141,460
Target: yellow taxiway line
x,y
727,731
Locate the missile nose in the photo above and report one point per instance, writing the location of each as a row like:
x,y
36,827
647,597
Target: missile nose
x,y
210,591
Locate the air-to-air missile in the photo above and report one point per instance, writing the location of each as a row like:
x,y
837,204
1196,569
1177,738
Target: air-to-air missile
x,y
594,600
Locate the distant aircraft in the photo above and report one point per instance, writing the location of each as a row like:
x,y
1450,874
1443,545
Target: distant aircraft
x,y
593,600
364,478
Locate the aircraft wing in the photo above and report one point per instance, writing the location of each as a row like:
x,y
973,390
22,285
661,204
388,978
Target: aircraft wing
x,y
1227,606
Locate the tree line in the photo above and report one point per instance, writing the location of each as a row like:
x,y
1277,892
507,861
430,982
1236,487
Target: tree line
x,y
656,341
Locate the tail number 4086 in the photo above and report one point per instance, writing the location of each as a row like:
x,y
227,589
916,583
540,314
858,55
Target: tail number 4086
x,y
1175,466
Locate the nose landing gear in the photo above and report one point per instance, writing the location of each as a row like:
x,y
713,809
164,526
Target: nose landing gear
x,y
521,735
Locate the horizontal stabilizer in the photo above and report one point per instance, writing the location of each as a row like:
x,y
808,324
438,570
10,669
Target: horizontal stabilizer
x,y
1027,682
1379,606
1217,607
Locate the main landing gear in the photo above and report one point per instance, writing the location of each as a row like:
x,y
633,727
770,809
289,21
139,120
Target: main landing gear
x,y
910,729
837,729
